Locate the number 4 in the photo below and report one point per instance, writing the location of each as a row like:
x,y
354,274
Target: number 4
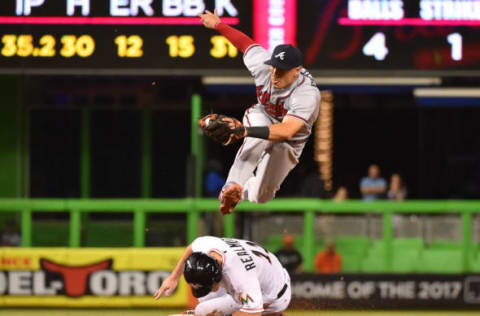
x,y
376,47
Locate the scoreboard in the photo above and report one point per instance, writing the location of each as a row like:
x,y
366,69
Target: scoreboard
x,y
351,37
410,37
131,36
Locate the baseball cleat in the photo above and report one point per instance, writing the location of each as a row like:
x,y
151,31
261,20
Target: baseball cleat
x,y
229,198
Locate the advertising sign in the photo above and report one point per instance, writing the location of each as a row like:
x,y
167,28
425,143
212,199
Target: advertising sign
x,y
93,277
388,291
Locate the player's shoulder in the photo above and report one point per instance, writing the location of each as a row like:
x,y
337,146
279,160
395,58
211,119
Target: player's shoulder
x,y
255,50
255,56
206,239
307,90
308,81
207,243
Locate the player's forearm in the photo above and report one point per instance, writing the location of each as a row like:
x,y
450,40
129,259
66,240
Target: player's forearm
x,y
178,271
379,190
276,132
237,38
373,190
267,132
366,190
280,132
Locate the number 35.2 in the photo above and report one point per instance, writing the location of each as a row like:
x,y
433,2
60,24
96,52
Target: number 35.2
x,y
22,45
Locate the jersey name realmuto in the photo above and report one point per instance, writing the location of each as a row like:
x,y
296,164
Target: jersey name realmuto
x,y
252,275
300,100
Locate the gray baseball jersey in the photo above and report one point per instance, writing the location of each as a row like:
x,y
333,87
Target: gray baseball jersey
x,y
300,100
260,166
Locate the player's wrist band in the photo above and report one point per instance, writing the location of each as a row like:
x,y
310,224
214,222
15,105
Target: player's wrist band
x,y
258,132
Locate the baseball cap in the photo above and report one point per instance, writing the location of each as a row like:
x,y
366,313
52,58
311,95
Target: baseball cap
x,y
285,57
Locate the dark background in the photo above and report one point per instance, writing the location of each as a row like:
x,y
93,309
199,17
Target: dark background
x,y
434,148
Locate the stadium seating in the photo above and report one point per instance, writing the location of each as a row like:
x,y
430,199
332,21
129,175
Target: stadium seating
x,y
475,260
405,260
445,245
50,234
405,255
440,261
111,234
374,262
352,249
410,243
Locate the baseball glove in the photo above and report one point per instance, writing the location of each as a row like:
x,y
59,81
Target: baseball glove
x,y
222,129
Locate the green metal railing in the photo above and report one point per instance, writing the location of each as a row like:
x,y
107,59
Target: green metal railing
x,y
192,207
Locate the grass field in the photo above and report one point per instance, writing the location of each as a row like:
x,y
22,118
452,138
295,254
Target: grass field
x,y
161,312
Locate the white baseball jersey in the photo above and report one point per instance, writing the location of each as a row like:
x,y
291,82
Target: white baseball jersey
x,y
251,275
300,100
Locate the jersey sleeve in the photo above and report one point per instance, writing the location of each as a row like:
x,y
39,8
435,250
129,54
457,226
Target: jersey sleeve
x,y
305,105
254,59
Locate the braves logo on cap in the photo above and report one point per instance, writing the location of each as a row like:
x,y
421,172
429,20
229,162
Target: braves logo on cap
x,y
280,55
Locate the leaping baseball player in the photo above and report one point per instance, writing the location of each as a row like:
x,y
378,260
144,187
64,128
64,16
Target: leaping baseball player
x,y
275,129
231,276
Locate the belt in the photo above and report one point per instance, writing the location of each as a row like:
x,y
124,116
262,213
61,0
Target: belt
x,y
282,291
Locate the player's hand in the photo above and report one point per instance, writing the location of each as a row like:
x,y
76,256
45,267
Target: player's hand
x,y
168,286
209,19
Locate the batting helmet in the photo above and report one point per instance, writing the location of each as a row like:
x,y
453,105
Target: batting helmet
x,y
201,271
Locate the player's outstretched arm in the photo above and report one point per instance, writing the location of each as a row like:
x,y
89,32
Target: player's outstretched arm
x,y
171,282
275,132
238,39
285,130
209,19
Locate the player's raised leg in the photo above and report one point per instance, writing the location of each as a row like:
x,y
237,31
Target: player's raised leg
x,y
276,163
245,163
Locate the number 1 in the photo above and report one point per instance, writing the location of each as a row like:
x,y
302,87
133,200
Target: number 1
x,y
455,40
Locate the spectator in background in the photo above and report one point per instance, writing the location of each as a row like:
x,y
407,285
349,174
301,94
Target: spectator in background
x,y
214,179
373,187
328,260
397,190
288,256
213,184
10,235
341,194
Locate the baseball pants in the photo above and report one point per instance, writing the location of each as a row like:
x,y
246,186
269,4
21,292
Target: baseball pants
x,y
260,165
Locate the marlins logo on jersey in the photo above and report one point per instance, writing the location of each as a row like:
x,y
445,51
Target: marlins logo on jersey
x,y
245,298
